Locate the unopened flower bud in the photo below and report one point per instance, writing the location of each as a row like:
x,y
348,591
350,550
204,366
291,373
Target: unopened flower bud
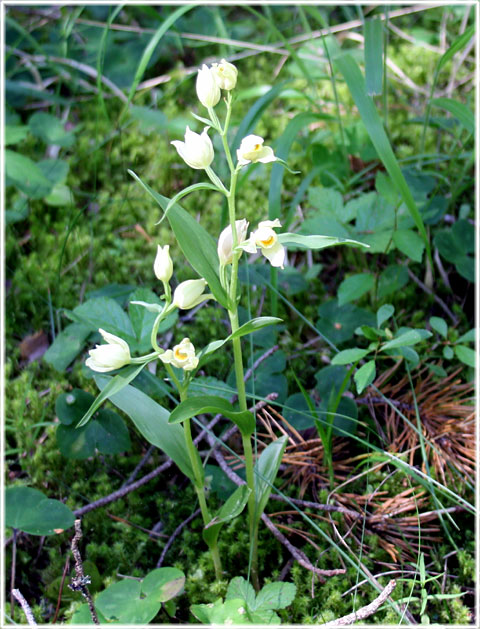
x,y
208,90
225,241
113,355
225,74
197,150
189,294
163,265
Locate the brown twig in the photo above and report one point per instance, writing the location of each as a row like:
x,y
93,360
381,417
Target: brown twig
x,y
26,608
429,291
60,591
80,581
175,534
363,612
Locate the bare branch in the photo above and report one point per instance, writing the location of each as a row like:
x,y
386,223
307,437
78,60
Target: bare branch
x,y
80,581
26,607
363,612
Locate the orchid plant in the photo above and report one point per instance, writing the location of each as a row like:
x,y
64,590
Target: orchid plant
x,y
218,280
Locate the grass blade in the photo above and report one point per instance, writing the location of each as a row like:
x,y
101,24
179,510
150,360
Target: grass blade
x,y
356,84
460,111
373,56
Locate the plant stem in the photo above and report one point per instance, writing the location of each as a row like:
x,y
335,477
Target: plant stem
x,y
197,469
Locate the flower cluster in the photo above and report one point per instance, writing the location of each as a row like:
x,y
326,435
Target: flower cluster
x,y
220,76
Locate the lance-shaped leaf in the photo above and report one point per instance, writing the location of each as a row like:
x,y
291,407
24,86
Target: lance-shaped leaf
x,y
115,385
183,193
213,404
195,242
266,469
316,242
232,508
151,420
247,328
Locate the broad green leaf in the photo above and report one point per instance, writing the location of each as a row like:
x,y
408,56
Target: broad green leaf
x,y
196,243
354,287
28,510
67,345
412,337
348,356
55,170
338,323
151,420
50,129
315,242
297,412
365,375
275,596
15,134
448,352
373,55
105,313
59,196
384,313
366,107
265,471
213,404
459,110
82,616
163,584
392,279
409,243
232,508
231,612
122,602
468,337
241,588
466,355
26,175
439,325
115,385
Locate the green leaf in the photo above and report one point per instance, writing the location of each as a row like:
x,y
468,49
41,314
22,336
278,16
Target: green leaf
x,y
122,602
265,471
365,375
213,404
105,313
411,337
232,508
315,242
439,325
354,287
392,279
448,352
282,149
28,510
348,356
151,421
459,110
338,323
466,355
59,196
297,412
241,588
67,345
373,55
468,337
55,170
409,243
275,596
195,242
252,326
384,313
373,124
26,175
15,134
163,584
115,385
183,193
231,612
50,129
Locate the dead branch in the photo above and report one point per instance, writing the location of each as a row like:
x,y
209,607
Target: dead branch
x,y
363,612
80,581
26,607
175,534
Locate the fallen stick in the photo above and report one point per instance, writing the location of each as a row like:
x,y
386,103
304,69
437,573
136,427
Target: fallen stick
x,y
363,612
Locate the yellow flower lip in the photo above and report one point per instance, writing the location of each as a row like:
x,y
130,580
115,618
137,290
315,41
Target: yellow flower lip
x,y
257,147
179,355
268,242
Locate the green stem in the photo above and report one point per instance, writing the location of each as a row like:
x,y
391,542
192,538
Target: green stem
x,y
199,483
